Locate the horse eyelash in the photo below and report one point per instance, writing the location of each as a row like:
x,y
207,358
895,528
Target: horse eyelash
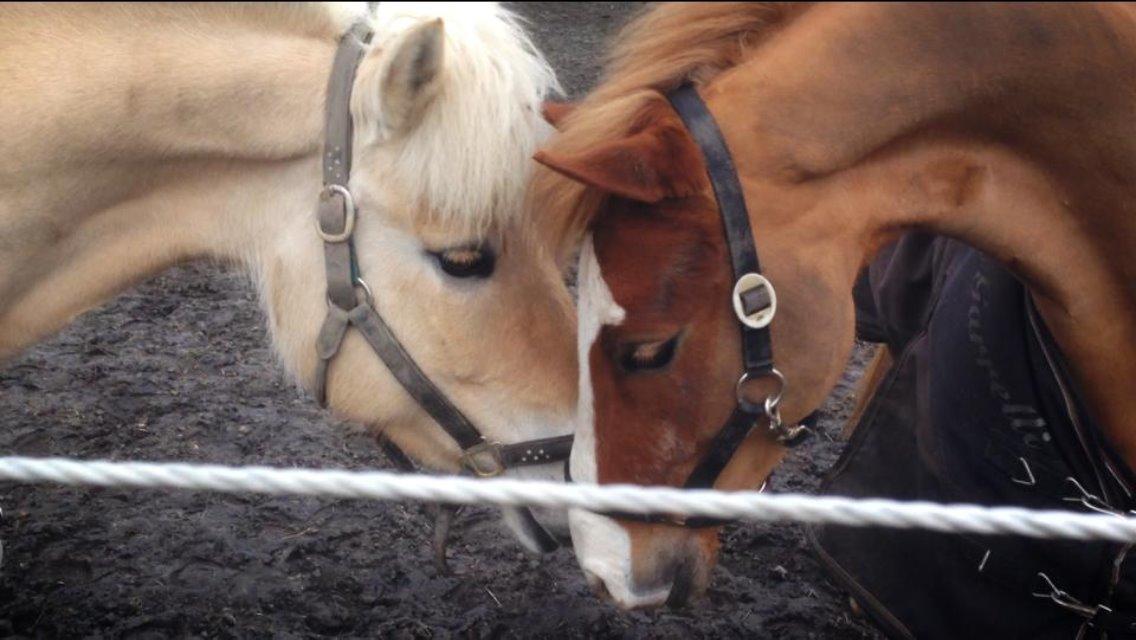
x,y
635,360
652,351
465,256
479,261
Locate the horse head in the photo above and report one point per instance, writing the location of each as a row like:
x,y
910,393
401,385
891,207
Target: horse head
x,y
446,112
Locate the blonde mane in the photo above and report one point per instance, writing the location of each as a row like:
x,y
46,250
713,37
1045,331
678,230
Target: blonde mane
x,y
468,162
662,48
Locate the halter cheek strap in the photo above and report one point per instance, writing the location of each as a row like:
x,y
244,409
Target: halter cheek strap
x,y
755,303
754,298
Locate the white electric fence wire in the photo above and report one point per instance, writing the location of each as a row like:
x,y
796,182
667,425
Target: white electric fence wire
x,y
748,505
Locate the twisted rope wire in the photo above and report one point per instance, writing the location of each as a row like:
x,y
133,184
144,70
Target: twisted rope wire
x,y
747,505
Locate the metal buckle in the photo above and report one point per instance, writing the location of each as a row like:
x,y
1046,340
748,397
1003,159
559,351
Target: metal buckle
x,y
484,460
760,318
348,214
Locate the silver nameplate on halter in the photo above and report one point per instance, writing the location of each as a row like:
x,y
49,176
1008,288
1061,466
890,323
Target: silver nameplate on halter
x,y
755,300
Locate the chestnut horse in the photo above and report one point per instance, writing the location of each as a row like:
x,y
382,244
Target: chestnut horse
x,y
1010,127
137,136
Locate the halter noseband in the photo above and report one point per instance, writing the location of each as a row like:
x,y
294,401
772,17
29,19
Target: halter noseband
x,y
351,301
755,304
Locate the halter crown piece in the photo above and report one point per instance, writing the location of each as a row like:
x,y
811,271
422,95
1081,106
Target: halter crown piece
x,y
351,301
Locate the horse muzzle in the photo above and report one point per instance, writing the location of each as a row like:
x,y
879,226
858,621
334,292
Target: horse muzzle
x,y
642,566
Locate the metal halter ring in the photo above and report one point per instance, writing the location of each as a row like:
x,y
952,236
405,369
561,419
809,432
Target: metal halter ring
x,y
771,405
348,214
369,297
360,285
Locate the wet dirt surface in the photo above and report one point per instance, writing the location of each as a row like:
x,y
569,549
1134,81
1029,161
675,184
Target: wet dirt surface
x,y
180,369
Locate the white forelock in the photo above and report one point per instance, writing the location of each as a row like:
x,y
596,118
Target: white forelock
x,y
468,160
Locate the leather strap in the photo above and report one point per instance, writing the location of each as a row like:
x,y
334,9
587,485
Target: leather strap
x,y
364,318
338,125
726,443
335,206
537,451
397,455
757,347
336,210
722,448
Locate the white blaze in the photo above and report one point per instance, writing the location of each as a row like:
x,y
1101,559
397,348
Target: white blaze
x,y
596,307
603,548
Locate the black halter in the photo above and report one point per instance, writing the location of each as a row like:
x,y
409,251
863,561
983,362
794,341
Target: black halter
x,y
350,302
754,302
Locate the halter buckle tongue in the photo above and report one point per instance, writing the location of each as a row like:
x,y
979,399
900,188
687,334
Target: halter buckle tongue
x,y
483,460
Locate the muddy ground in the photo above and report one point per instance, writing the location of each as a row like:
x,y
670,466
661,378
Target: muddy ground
x,y
180,369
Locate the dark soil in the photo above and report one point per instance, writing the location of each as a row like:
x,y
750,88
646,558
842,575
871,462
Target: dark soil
x,y
180,369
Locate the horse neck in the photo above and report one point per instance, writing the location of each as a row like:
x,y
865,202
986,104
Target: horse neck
x,y
166,143
1005,127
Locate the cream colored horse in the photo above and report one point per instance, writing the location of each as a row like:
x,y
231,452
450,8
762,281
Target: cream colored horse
x,y
134,137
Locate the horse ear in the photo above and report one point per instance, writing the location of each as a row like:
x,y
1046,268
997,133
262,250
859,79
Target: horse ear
x,y
555,112
399,81
658,162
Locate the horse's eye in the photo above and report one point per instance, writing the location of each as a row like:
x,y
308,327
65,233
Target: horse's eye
x,y
466,262
648,356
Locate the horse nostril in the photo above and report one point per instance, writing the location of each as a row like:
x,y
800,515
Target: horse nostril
x,y
598,586
683,584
